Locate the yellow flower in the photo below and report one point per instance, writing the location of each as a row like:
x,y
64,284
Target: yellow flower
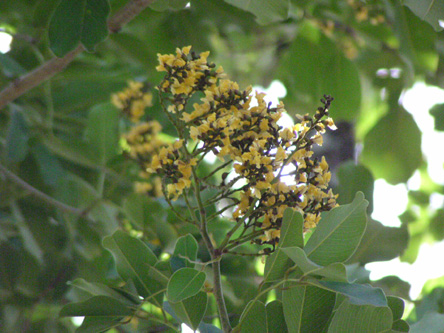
x,y
133,100
186,49
272,234
142,187
311,220
287,134
317,138
281,155
330,123
302,128
264,125
194,132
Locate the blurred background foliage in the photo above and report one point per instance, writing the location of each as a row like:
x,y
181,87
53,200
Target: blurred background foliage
x,y
62,137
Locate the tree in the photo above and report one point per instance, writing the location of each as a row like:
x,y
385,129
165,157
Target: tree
x,y
111,212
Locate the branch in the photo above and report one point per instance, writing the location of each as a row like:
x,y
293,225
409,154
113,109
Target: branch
x,y
55,65
39,194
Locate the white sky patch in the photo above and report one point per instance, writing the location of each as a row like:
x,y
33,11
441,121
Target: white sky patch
x,y
414,183
77,321
423,269
418,101
389,202
274,92
436,201
210,158
186,329
5,42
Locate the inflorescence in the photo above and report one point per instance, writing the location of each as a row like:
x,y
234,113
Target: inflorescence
x,y
243,132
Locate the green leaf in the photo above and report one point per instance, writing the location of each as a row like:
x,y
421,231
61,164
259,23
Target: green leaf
x,y
101,132
437,112
432,322
338,233
65,28
135,207
17,138
393,285
266,12
101,313
354,178
78,21
423,39
184,283
291,235
10,265
207,328
132,259
401,326
134,47
143,211
275,317
100,289
380,243
49,166
431,11
99,324
95,27
76,153
318,67
162,5
307,308
335,271
160,272
97,306
192,309
253,319
431,302
10,67
354,318
385,151
357,294
186,248
396,304
42,12
395,11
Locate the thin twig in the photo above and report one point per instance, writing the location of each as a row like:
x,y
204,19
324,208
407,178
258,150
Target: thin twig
x,y
245,254
55,65
39,194
215,256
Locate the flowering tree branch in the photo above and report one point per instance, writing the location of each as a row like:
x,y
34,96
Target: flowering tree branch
x,y
55,65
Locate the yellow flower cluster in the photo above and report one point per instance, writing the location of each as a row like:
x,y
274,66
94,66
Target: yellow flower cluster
x,y
186,73
372,12
229,125
142,140
251,137
178,171
144,143
133,100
